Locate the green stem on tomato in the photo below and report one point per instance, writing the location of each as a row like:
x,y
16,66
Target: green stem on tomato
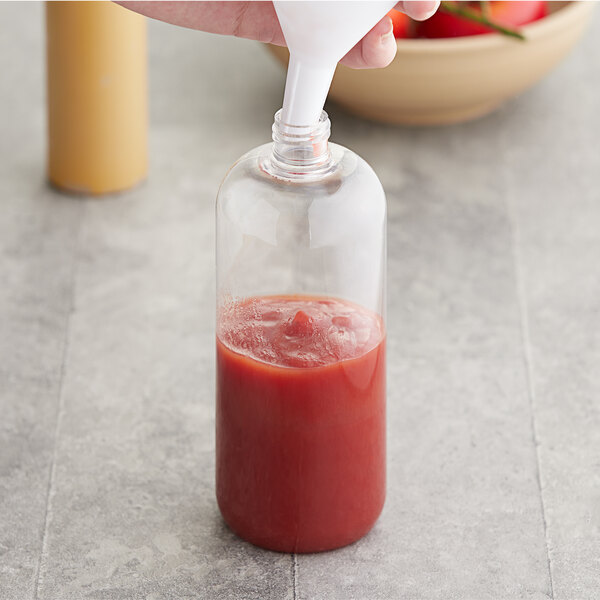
x,y
453,9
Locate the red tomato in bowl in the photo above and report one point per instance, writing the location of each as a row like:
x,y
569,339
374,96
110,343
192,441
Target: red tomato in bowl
x,y
513,13
401,24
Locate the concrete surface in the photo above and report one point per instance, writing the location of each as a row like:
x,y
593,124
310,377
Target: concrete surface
x,y
106,347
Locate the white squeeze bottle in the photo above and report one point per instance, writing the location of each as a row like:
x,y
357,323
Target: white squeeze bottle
x,y
318,35
300,407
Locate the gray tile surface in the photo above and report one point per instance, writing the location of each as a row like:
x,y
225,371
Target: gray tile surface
x,y
37,241
555,202
106,347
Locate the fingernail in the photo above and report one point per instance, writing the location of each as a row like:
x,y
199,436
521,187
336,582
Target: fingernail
x,y
389,33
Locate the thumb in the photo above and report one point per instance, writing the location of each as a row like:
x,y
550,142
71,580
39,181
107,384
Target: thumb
x,y
418,9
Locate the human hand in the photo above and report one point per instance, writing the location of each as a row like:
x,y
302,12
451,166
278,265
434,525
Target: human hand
x,y
258,21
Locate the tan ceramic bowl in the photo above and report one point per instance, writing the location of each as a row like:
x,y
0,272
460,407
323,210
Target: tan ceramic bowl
x,y
432,82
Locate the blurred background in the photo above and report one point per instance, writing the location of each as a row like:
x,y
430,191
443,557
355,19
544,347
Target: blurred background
x,y
107,321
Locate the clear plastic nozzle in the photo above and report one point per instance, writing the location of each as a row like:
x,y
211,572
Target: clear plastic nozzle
x,y
318,34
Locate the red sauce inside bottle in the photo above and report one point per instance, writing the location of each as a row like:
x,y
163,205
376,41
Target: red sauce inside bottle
x,y
300,421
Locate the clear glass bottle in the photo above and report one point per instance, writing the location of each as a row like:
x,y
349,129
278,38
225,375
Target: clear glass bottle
x,y
300,419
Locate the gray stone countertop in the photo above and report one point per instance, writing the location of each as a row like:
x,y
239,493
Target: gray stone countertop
x,y
106,346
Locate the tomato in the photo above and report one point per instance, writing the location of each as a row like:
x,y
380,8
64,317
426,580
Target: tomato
x,y
507,13
401,24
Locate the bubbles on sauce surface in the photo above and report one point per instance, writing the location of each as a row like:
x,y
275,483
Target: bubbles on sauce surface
x,y
297,331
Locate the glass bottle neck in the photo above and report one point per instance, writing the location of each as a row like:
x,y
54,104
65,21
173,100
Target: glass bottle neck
x,y
300,153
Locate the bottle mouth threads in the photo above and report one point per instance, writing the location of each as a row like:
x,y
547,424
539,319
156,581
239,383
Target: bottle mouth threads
x,y
300,152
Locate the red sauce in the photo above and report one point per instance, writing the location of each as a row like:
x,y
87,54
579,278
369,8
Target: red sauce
x,y
300,421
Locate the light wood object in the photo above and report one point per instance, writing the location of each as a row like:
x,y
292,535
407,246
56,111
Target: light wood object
x,y
97,97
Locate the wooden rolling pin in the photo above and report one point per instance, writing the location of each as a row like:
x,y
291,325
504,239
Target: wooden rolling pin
x,y
97,97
